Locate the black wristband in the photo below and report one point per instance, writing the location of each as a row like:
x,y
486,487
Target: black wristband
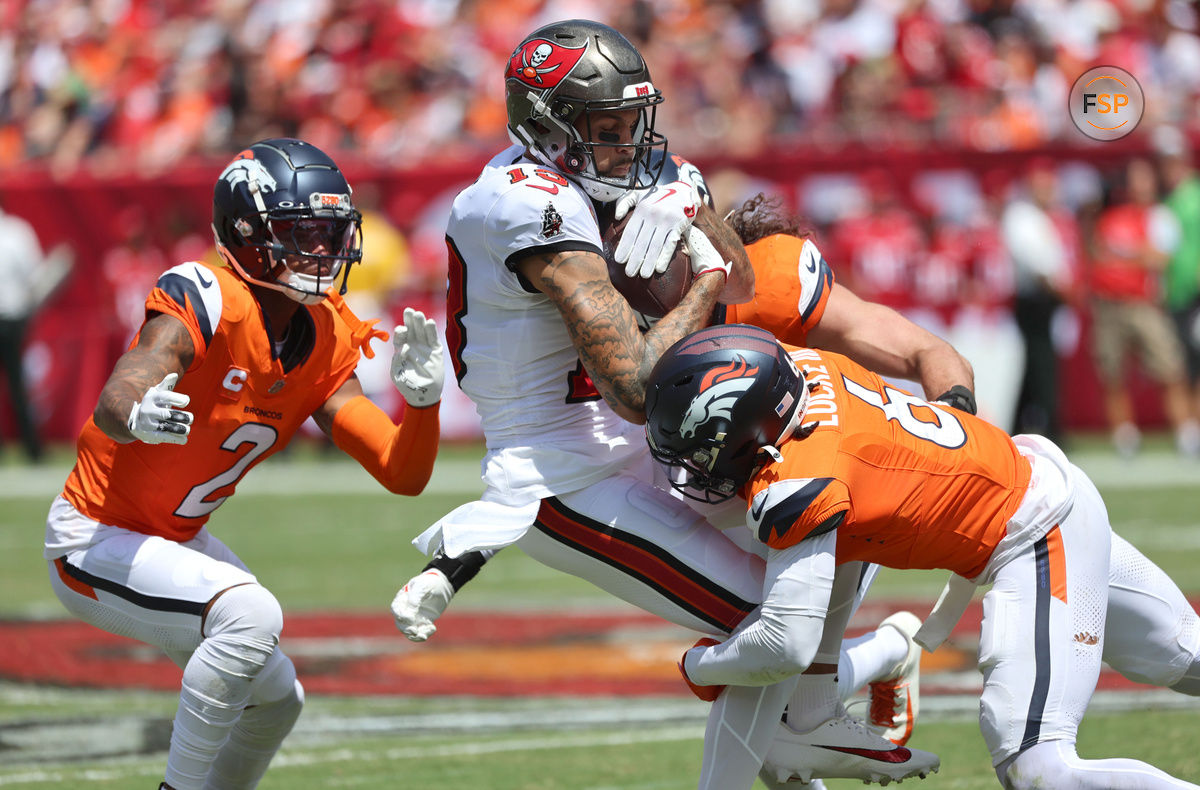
x,y
459,570
959,397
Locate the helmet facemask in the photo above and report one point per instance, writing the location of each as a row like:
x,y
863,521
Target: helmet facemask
x,y
309,253
567,139
691,472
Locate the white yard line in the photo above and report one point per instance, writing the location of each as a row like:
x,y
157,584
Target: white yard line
x,y
578,723
291,755
337,475
274,476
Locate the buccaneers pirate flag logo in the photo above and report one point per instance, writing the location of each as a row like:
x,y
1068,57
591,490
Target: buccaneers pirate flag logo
x,y
543,64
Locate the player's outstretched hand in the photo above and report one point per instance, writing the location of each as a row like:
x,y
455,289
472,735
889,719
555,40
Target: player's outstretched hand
x,y
660,217
704,255
417,369
420,602
159,417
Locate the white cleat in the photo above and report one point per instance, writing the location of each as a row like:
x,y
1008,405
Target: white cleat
x,y
896,700
768,781
843,748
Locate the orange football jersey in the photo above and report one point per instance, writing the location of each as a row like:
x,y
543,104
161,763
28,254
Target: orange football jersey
x,y
245,406
916,485
792,283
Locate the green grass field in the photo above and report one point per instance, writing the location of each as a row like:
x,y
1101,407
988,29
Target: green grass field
x,y
321,536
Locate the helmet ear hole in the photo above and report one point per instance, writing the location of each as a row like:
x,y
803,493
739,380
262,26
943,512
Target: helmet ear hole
x,y
575,159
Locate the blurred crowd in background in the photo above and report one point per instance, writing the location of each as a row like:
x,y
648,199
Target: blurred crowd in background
x,y
926,144
139,84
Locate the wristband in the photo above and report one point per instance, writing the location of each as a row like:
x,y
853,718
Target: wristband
x,y
459,570
959,397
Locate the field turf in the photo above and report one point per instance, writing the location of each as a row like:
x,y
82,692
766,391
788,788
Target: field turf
x,y
323,537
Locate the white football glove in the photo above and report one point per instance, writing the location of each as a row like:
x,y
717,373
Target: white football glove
x,y
417,369
159,417
704,255
661,216
420,602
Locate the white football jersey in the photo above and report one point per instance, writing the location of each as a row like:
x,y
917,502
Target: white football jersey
x,y
548,431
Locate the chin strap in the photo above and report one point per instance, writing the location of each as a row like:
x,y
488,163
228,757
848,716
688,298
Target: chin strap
x,y
361,332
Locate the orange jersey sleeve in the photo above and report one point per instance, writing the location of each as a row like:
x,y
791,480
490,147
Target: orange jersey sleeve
x,y
401,456
907,484
246,407
792,283
187,292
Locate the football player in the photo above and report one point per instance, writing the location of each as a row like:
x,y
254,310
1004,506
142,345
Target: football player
x,y
552,356
834,464
228,364
797,298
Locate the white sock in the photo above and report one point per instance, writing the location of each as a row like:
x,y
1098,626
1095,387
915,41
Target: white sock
x,y
815,700
868,658
211,701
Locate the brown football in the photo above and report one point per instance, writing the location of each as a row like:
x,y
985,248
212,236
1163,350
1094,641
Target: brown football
x,y
653,296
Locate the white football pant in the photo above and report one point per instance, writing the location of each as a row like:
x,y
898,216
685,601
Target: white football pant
x,y
199,604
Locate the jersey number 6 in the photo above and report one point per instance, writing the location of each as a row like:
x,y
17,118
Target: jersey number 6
x,y
947,432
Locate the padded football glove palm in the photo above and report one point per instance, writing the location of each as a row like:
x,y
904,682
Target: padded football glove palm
x,y
417,369
704,255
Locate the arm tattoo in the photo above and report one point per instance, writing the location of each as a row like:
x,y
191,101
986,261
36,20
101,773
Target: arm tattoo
x,y
605,332
164,346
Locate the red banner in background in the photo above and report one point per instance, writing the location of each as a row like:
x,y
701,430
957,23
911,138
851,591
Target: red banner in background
x,y
127,229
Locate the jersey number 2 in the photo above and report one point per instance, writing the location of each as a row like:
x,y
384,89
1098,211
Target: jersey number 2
x,y
260,437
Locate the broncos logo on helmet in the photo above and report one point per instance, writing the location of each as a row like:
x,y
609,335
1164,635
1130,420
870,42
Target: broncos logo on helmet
x,y
719,391
716,404
246,169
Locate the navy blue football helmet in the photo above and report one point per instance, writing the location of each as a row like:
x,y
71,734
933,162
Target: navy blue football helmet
x,y
717,403
283,219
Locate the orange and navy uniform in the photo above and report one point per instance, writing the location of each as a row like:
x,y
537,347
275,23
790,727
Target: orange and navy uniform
x,y
906,483
247,404
792,283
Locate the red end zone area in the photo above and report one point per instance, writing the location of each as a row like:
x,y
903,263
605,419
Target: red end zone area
x,y
496,654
